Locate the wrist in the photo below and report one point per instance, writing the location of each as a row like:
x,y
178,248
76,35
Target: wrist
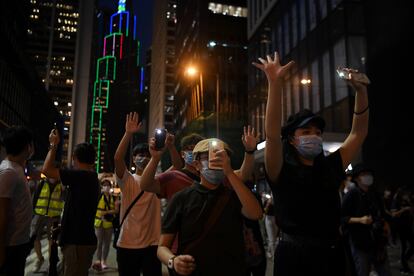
x,y
250,151
53,146
170,263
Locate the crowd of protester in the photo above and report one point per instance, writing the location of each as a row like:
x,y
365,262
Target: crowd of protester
x,y
318,219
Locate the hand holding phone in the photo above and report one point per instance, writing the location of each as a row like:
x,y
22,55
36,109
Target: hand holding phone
x,y
348,74
160,136
213,147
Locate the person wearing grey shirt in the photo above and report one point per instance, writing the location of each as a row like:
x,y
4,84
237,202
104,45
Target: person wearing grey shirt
x,y
15,201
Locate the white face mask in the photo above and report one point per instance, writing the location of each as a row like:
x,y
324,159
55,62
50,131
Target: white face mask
x,y
106,189
366,180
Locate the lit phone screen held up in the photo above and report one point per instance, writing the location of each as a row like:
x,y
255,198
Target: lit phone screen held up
x,y
213,147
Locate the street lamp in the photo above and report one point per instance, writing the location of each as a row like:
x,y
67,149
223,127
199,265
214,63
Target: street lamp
x,y
191,72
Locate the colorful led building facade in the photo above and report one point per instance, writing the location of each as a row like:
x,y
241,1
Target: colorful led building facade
x,y
117,86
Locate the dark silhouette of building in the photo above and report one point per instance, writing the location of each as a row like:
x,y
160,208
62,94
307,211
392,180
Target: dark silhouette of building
x,y
23,98
211,52
161,110
51,41
320,35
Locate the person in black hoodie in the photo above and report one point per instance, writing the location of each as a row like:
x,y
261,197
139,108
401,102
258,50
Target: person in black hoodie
x,y
363,217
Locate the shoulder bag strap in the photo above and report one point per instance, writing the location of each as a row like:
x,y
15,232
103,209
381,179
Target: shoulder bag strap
x,y
211,221
130,207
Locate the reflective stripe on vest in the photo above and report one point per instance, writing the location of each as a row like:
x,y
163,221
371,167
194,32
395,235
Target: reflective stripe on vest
x,y
102,207
49,204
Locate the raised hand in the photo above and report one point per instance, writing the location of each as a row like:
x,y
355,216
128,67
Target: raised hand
x,y
132,124
221,160
54,138
169,140
250,138
272,68
152,149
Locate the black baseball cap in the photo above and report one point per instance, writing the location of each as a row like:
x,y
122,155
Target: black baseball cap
x,y
301,119
360,168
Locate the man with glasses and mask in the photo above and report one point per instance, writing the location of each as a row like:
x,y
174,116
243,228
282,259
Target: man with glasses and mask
x,y
207,218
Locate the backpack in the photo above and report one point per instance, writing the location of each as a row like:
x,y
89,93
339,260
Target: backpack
x,y
253,252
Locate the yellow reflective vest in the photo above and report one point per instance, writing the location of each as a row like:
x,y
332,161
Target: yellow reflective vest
x,y
49,203
103,206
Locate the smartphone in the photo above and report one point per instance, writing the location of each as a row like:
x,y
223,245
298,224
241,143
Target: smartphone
x,y
213,147
346,74
160,136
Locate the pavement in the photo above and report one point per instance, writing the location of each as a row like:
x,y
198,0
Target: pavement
x,y
393,253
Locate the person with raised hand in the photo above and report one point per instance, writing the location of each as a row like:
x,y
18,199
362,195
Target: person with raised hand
x,y
140,230
304,181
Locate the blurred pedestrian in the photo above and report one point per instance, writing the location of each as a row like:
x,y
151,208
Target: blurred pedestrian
x,y
48,205
77,237
364,217
15,201
304,181
103,224
270,225
402,212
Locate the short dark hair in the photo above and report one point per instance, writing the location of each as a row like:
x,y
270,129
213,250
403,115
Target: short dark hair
x,y
85,153
15,139
141,148
191,139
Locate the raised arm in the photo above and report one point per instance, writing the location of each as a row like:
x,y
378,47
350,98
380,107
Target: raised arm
x,y
131,126
359,129
249,140
250,206
275,74
176,160
49,169
148,181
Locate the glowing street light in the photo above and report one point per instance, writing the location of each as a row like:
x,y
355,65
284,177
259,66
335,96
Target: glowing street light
x,y
305,81
191,71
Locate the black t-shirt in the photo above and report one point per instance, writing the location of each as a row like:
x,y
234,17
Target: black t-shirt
x,y
80,207
358,203
306,198
222,250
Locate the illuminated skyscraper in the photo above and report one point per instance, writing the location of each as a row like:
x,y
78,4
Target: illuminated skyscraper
x,y
118,87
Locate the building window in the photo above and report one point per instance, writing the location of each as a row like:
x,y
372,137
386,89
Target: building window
x,y
227,9
305,88
294,26
341,90
312,14
302,18
286,29
327,97
315,87
295,93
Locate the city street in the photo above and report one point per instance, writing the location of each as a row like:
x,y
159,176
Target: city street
x,y
392,251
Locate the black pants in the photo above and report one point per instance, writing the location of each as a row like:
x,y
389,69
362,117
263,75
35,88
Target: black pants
x,y
258,270
15,260
407,247
134,261
299,258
